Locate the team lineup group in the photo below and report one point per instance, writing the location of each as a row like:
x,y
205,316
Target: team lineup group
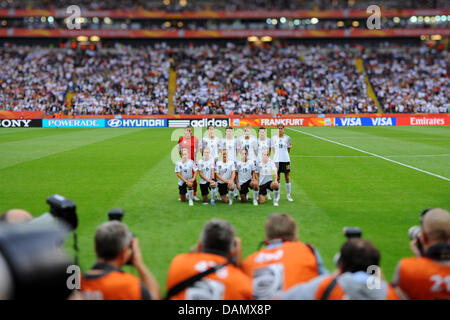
x,y
220,170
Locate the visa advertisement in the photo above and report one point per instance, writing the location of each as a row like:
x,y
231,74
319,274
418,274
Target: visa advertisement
x,y
365,121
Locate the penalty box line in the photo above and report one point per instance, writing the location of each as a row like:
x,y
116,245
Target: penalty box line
x,y
372,154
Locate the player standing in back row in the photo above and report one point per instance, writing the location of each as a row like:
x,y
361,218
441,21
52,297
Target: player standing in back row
x,y
229,143
281,146
212,142
249,143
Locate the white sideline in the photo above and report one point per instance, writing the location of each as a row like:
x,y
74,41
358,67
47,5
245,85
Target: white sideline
x,y
372,154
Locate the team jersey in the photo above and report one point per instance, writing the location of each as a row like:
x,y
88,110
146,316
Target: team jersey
x,y
263,145
423,278
250,144
190,144
278,267
225,170
281,146
265,171
213,144
227,283
186,169
206,168
245,170
230,146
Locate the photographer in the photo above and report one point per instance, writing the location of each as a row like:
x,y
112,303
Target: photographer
x,y
210,271
115,246
351,282
284,262
427,275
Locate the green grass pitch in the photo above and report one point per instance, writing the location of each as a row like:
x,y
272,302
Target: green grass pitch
x,y
333,186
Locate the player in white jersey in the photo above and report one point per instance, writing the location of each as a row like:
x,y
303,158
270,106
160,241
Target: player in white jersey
x,y
206,168
248,143
246,177
263,143
281,146
229,143
186,171
212,142
265,170
225,175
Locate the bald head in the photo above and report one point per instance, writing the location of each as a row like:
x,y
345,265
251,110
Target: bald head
x,y
15,216
436,226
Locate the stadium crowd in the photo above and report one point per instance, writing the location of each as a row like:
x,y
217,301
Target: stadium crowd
x,y
213,79
214,269
410,80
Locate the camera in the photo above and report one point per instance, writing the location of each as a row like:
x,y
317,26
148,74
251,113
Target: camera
x,y
349,233
32,263
414,232
352,232
61,209
116,214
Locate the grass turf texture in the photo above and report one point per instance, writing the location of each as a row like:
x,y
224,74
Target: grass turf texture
x,y
332,186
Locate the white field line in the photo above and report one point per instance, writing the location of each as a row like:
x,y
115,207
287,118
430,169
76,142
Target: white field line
x,y
391,156
372,154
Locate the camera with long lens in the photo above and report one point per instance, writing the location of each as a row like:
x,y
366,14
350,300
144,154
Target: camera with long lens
x,y
32,263
349,233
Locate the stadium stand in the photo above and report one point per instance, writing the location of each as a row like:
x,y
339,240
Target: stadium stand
x,y
231,78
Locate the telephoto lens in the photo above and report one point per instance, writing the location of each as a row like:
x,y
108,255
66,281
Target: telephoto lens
x,y
414,232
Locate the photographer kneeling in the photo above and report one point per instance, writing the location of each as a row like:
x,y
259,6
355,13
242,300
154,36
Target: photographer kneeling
x,y
352,281
115,247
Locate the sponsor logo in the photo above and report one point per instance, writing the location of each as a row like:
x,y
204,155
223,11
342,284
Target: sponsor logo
x,y
348,122
73,123
115,123
328,122
364,121
296,122
15,123
423,121
198,123
236,122
383,121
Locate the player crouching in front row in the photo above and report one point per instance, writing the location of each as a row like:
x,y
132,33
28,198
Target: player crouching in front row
x,y
186,171
206,170
225,175
246,177
265,170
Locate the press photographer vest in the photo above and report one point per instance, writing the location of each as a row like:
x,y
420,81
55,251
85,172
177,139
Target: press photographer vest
x,y
112,284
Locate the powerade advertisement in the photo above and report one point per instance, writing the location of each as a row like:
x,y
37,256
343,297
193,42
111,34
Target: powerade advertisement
x,y
73,123
365,121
